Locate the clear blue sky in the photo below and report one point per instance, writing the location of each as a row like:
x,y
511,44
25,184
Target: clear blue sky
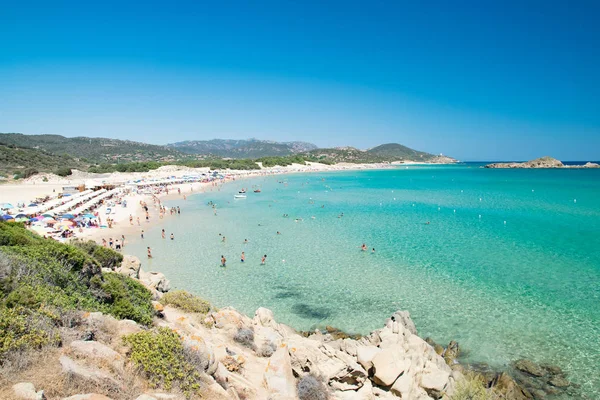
x,y
479,80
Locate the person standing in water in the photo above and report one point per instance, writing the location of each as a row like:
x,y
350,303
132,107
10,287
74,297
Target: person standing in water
x,y
223,261
363,247
373,250
142,234
245,241
172,237
243,257
162,233
263,260
149,253
223,239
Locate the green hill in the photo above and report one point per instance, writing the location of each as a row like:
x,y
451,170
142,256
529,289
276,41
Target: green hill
x,y
251,148
25,162
93,150
398,152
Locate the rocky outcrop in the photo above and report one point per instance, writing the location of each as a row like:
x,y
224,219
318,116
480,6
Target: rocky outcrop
x,y
155,281
130,266
542,162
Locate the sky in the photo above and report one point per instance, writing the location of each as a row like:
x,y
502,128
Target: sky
x,y
477,80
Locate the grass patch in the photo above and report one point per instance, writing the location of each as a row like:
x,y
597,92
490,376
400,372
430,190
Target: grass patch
x,y
185,301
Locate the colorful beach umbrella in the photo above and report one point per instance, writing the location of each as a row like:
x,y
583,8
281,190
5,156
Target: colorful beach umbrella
x,y
22,219
89,216
7,217
20,216
47,215
49,220
68,216
32,205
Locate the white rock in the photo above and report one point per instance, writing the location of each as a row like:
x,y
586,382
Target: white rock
x,y
278,376
130,266
26,391
403,386
91,374
388,366
98,351
434,379
88,396
365,354
145,397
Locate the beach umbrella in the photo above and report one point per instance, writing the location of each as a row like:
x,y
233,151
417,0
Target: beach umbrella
x,y
66,194
47,215
67,222
21,219
32,205
68,216
20,216
7,217
6,205
89,216
33,219
49,220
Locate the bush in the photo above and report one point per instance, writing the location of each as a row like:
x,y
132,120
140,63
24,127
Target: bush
x,y
22,329
107,258
160,354
29,172
472,387
185,301
63,171
245,337
267,349
127,298
311,388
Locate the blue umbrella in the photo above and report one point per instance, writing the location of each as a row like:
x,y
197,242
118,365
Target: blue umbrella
x,y
6,205
89,216
21,216
68,216
33,220
66,194
32,205
7,217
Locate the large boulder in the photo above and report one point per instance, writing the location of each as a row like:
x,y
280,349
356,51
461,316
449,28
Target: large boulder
x,y
26,391
389,365
130,266
155,280
72,368
278,377
98,352
88,396
365,355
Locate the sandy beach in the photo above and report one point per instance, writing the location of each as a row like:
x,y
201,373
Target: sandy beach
x,y
131,219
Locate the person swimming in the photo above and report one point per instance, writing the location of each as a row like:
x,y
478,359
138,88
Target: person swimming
x,y
373,250
263,260
363,247
245,241
243,257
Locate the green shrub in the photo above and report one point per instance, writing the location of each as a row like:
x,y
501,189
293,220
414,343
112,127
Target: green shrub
x,y
127,298
22,329
29,172
185,301
107,258
63,171
160,354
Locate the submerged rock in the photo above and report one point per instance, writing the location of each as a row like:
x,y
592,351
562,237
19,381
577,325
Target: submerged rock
x,y
529,367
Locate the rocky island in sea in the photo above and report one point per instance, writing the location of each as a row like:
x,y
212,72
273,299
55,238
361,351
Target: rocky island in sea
x,y
542,162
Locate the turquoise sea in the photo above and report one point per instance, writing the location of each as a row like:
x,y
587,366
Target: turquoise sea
x,y
509,264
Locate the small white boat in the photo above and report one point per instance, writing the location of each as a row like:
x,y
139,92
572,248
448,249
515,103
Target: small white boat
x,y
240,196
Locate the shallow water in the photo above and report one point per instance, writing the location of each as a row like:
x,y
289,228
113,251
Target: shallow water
x,y
509,265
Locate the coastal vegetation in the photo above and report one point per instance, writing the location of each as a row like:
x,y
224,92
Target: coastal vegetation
x,y
185,301
42,282
164,360
22,156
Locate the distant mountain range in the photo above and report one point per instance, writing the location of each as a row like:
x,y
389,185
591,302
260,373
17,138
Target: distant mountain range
x,y
250,148
93,150
48,152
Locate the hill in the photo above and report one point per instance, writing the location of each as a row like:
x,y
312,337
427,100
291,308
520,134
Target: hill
x,y
398,152
251,148
93,150
24,162
389,152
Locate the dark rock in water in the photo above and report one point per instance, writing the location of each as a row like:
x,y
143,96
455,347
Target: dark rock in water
x,y
559,381
529,367
508,389
451,353
552,369
438,348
